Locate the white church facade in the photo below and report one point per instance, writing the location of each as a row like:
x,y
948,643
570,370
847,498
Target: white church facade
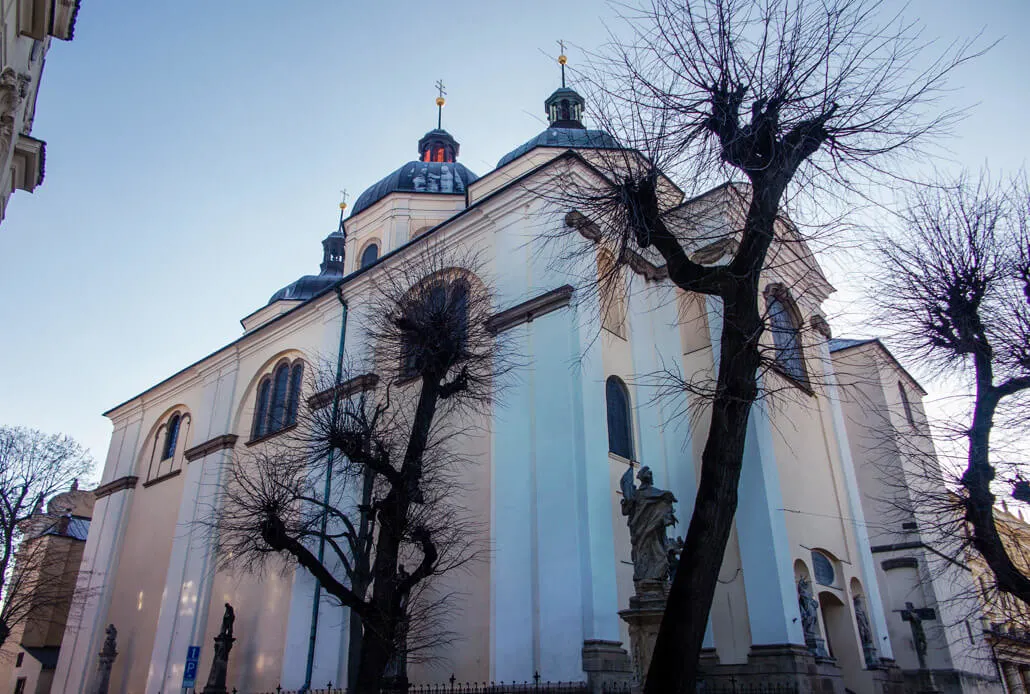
x,y
546,483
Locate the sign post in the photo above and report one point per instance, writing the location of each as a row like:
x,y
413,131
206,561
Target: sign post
x,y
189,674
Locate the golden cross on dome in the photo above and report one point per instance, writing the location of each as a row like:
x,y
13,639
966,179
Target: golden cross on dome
x,y
562,60
440,101
343,199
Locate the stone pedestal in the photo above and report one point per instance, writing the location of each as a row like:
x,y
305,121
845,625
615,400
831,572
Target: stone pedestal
x,y
792,667
644,618
219,666
607,665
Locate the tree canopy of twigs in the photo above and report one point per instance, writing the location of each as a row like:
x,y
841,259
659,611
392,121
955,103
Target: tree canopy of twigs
x,y
955,289
385,430
791,98
34,466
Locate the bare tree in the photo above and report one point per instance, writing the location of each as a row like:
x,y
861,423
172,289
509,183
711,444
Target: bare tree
x,y
796,98
34,466
955,287
365,494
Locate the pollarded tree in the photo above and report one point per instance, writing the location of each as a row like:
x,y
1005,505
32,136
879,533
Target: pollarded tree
x,y
34,466
389,518
796,98
955,289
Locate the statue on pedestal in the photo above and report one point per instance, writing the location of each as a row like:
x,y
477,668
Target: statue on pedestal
x,y
865,633
220,662
105,660
809,607
650,512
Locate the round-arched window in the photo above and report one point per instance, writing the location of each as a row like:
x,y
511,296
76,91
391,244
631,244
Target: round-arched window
x,y
822,567
370,254
620,432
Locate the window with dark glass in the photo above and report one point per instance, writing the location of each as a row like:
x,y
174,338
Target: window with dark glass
x,y
786,338
822,567
620,437
444,304
906,404
370,254
261,410
292,404
171,437
278,399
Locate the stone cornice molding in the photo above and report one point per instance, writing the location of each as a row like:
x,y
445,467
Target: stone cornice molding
x,y
528,310
127,482
358,384
636,262
218,443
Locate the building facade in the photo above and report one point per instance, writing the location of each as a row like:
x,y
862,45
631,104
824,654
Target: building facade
x,y
55,538
545,487
894,458
26,29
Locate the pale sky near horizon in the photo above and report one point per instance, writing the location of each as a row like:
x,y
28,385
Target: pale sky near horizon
x,y
196,150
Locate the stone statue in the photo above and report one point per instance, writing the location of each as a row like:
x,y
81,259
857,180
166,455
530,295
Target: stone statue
x,y
227,621
809,607
220,661
649,510
865,633
915,616
105,660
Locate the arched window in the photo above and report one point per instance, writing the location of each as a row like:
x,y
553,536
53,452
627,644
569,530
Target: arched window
x,y
293,402
171,437
261,410
613,293
278,399
786,336
164,454
370,254
439,311
822,567
906,404
620,436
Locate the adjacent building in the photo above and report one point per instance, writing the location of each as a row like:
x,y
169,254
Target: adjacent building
x,y
26,29
55,538
900,479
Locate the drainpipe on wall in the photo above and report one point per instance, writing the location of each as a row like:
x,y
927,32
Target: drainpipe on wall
x,y
325,500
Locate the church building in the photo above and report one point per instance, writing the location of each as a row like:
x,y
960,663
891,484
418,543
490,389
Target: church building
x,y
798,593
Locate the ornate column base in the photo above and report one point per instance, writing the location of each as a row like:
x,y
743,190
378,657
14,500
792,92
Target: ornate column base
x,y
644,618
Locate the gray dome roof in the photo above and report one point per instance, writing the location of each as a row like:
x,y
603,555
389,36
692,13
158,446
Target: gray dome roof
x,y
304,288
441,177
571,138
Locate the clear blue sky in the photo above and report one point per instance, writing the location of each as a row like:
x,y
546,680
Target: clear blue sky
x,y
195,153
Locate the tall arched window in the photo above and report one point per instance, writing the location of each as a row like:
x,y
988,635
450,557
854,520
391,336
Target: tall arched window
x,y
620,423
261,409
786,335
278,399
370,254
439,312
613,293
906,404
171,437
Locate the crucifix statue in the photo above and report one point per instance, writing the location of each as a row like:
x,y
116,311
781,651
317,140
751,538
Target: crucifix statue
x,y
915,616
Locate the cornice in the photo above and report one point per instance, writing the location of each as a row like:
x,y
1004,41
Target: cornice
x,y
127,482
528,310
218,443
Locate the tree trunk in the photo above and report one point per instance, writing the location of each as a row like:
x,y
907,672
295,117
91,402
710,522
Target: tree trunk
x,y
376,651
680,638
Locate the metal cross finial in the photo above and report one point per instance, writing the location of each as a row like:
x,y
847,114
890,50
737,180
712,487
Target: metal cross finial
x,y
439,103
561,60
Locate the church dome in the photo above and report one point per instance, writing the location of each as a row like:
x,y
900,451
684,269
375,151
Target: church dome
x,y
436,171
308,286
568,138
564,109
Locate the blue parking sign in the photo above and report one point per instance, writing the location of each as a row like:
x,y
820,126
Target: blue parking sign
x,y
189,674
